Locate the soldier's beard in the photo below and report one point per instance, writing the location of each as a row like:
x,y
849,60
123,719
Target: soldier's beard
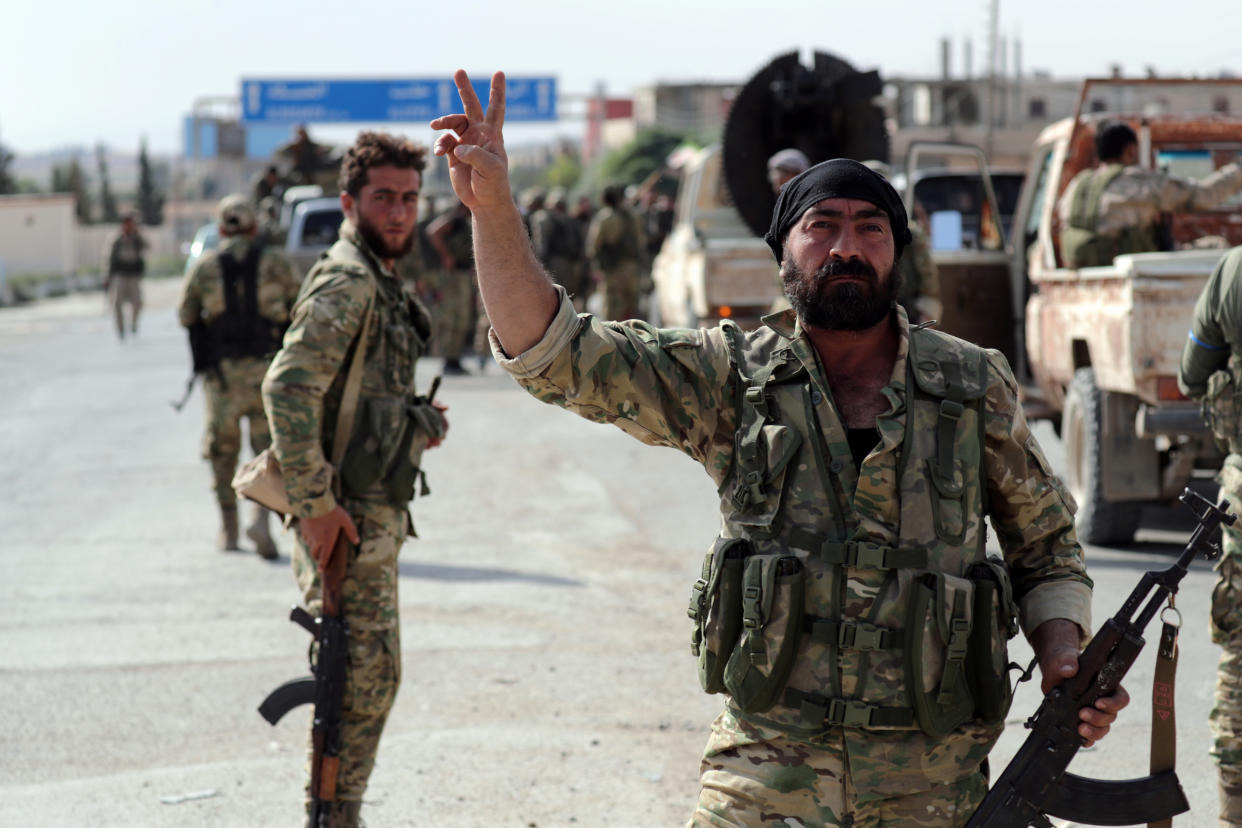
x,y
375,240
822,300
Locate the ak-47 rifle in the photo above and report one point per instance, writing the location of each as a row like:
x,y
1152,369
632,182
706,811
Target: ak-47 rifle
x,y
325,688
203,359
1035,783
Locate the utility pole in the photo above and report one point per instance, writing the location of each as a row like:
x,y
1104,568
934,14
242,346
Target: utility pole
x,y
993,21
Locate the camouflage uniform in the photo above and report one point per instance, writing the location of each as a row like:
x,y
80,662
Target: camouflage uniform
x,y
1210,371
302,393
554,237
126,265
615,244
237,397
1129,207
458,292
920,281
808,759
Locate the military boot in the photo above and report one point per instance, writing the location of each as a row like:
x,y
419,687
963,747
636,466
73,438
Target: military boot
x,y
228,529
257,532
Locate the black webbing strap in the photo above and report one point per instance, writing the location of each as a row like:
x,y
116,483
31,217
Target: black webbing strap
x,y
248,271
820,710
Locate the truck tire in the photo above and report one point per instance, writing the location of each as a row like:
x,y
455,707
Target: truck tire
x,y
1099,521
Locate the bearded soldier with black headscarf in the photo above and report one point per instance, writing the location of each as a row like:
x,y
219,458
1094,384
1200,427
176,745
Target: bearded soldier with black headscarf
x,y
847,609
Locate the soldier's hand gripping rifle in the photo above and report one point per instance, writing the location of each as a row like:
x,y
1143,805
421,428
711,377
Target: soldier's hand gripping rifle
x,y
1035,783
325,688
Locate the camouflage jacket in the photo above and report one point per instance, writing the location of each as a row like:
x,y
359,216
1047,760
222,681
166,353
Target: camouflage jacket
x,y
1137,196
682,388
303,386
202,292
614,237
125,255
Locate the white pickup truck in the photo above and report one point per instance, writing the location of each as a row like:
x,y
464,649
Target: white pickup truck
x,y
1103,343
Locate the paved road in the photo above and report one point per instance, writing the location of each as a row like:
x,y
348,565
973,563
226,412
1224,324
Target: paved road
x,y
547,678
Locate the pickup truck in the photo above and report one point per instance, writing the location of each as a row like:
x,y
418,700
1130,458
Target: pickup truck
x,y
313,227
711,266
1102,344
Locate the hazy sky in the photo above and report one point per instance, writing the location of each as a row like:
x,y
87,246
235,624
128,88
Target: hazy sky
x,y
83,72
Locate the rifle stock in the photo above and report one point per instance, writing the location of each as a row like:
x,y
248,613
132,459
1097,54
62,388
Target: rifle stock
x,y
1035,783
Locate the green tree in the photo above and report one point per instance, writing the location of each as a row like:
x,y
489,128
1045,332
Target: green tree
x,y
8,184
642,156
69,178
150,199
108,212
565,171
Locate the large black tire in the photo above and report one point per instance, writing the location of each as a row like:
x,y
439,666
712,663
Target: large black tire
x,y
826,110
1099,521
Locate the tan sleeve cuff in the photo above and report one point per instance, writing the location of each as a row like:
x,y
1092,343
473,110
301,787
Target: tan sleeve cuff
x,y
1070,600
563,328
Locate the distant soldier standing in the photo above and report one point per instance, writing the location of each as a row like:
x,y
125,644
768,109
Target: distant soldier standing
x,y
367,498
1115,208
614,243
126,266
450,235
554,236
1211,370
241,294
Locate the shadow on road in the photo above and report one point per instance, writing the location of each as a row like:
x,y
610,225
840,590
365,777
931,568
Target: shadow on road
x,y
441,572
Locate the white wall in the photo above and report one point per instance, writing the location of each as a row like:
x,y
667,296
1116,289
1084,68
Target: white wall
x,y
37,234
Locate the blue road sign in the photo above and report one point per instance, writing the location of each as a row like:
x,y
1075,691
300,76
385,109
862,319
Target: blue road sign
x,y
294,100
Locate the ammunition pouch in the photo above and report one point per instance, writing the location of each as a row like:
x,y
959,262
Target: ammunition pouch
x,y
1221,407
387,446
773,598
995,622
716,609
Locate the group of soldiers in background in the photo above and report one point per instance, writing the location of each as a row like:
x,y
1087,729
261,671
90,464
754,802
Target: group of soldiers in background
x,y
582,248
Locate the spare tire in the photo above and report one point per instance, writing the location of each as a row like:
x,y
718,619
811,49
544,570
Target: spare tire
x,y
826,111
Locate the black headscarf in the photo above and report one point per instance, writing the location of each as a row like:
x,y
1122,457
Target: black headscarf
x,y
838,178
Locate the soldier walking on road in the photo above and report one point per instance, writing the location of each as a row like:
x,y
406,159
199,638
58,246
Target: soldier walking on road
x,y
554,236
614,243
1115,208
126,266
1211,371
450,235
367,498
241,295
856,459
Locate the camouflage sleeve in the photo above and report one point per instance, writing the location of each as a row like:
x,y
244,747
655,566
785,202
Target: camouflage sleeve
x,y
190,305
666,387
281,272
1217,311
1177,194
326,319
1032,513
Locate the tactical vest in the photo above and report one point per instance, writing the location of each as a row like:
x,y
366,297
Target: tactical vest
x,y
393,423
1082,245
1221,405
928,651
241,331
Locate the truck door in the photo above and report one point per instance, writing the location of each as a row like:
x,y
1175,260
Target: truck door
x,y
950,194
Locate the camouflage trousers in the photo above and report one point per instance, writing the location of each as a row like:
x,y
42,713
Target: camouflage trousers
x,y
370,604
783,783
621,289
454,312
228,404
126,290
1226,716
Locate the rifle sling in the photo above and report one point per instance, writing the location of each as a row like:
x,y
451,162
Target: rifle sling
x,y
353,389
1163,713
